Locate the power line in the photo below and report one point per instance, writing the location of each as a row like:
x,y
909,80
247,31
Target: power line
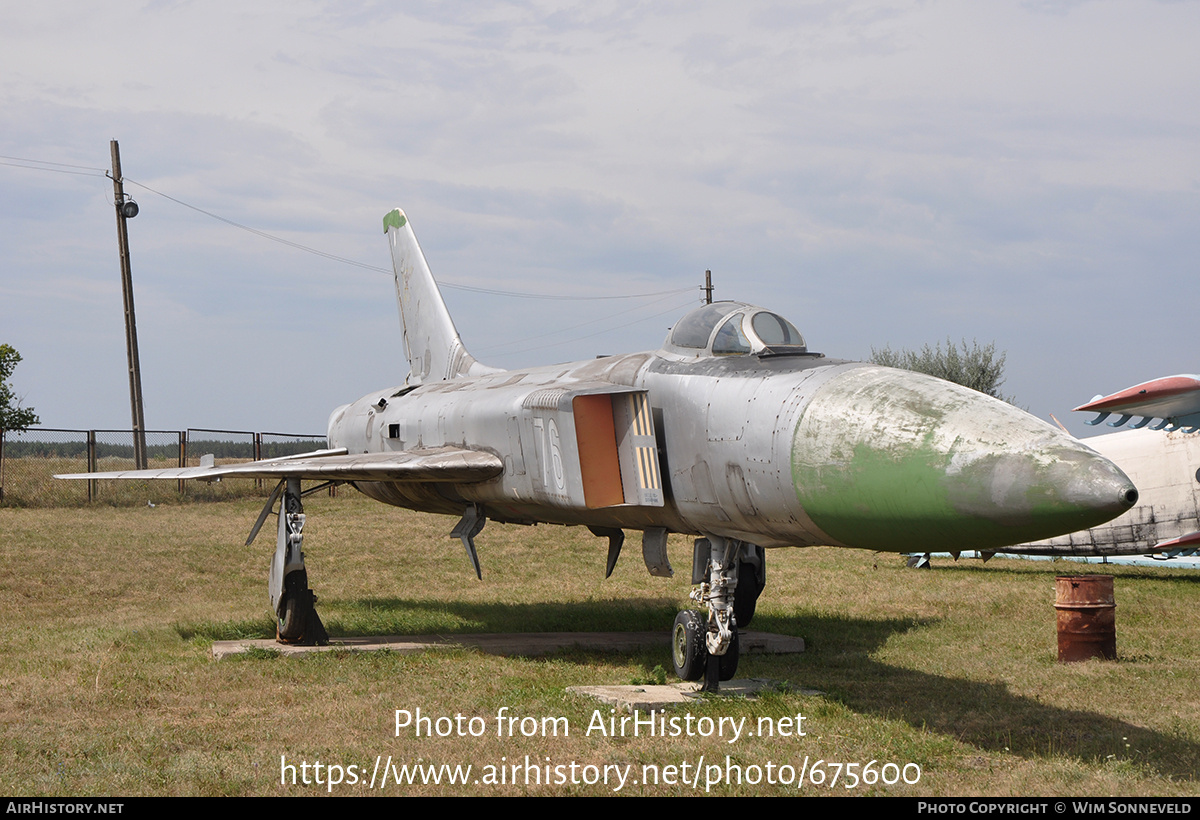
x,y
671,310
47,162
377,268
521,295
19,163
257,232
85,170
493,349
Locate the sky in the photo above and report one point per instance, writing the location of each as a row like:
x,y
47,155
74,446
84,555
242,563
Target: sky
x,y
881,173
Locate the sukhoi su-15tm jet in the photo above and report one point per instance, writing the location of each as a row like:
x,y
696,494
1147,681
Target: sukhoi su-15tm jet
x,y
733,431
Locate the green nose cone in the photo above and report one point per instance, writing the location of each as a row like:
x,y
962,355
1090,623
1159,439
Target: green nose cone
x,y
891,460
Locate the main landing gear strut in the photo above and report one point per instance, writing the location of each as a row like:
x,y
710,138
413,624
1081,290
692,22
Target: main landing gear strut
x,y
728,576
294,603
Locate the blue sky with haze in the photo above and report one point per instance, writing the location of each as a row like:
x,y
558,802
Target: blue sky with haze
x,y
879,172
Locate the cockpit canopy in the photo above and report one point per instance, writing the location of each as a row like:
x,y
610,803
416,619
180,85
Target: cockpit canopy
x,y
734,329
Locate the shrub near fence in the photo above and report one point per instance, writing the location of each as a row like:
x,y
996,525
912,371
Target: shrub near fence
x,y
29,460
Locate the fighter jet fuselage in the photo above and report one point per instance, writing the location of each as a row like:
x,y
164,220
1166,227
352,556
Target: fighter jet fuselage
x,y
790,449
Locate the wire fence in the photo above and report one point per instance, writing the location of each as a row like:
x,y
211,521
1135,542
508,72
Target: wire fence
x,y
29,461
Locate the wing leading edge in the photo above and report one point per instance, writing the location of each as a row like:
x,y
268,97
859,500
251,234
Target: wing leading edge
x,y
437,464
1174,399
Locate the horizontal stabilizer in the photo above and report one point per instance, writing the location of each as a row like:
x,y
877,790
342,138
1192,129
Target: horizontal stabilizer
x,y
448,464
1174,399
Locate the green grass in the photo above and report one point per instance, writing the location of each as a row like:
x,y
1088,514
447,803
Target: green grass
x,y
107,685
29,482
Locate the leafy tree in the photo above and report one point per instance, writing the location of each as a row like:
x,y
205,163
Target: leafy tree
x,y
974,366
12,415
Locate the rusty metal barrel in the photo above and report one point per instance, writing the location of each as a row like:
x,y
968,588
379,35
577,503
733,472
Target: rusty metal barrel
x,y
1087,620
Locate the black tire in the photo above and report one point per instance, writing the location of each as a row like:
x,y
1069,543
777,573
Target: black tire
x,y
729,661
689,652
745,596
297,607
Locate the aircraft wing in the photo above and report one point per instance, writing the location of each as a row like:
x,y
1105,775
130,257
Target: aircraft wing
x,y
1183,545
1174,399
450,464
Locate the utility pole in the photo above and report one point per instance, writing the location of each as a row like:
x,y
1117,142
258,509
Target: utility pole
x,y
126,210
707,287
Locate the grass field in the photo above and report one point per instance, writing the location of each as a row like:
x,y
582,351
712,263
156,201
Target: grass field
x,y
107,686
29,482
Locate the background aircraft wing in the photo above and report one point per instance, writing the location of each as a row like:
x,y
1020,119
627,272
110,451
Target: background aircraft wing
x,y
1183,545
1173,399
451,464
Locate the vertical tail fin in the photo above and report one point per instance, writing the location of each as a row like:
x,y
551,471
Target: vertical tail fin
x,y
435,351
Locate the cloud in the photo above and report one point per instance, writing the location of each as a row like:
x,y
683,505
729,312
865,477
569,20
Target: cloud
x,y
881,172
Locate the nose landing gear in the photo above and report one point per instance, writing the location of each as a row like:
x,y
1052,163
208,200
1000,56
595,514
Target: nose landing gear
x,y
707,646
